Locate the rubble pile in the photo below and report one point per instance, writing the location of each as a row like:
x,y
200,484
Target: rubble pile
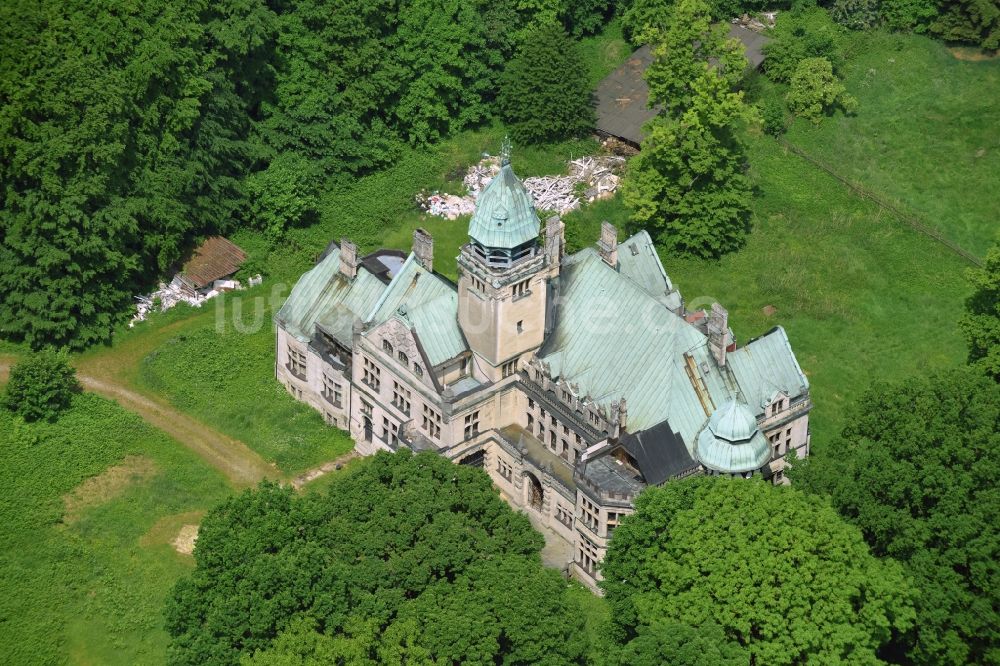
x,y
589,178
167,296
757,22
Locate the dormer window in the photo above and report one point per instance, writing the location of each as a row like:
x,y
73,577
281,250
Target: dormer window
x,y
387,347
403,358
417,370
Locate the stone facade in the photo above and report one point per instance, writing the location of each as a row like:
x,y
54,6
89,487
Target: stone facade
x,y
494,371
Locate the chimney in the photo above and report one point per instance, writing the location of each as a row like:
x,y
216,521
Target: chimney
x,y
555,240
348,258
718,333
423,248
608,245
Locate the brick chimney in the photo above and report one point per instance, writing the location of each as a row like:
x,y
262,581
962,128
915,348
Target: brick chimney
x,y
608,245
718,333
423,248
348,258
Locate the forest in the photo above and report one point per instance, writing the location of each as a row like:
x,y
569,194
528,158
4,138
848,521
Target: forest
x,y
127,132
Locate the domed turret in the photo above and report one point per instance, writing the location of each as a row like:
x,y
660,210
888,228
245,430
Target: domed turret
x,y
731,442
505,227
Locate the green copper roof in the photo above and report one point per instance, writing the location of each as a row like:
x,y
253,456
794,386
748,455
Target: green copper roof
x,y
505,216
428,304
765,366
323,295
639,261
731,442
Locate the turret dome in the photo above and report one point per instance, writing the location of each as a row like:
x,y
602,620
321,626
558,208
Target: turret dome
x,y
505,216
731,442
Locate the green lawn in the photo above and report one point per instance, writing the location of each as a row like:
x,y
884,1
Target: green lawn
x,y
225,378
926,134
87,586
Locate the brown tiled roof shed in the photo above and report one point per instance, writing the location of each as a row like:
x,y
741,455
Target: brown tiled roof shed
x,y
213,260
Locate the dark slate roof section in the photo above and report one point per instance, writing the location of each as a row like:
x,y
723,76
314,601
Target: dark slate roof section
x,y
379,263
611,477
660,453
622,97
214,259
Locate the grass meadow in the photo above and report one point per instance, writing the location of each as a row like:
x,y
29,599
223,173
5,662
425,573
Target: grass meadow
x,y
90,506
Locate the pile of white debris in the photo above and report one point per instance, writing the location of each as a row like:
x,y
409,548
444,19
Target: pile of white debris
x,y
589,178
180,291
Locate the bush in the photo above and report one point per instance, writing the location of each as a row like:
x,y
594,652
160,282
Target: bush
x,y
41,386
856,14
809,33
773,114
282,195
544,94
815,90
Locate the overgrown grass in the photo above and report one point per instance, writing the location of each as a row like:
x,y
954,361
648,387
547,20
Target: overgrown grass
x,y
925,134
862,296
225,378
90,591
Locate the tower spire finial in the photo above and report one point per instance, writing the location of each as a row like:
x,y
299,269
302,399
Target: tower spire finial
x,y
505,151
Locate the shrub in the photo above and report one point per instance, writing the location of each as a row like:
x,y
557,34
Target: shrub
x,y
815,89
282,195
773,114
856,14
41,386
808,33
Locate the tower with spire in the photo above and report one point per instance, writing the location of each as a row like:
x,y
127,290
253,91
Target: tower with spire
x,y
504,271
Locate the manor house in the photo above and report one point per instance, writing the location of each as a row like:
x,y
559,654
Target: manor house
x,y
574,380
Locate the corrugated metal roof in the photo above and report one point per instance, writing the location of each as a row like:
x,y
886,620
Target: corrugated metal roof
x,y
323,294
505,215
765,366
623,96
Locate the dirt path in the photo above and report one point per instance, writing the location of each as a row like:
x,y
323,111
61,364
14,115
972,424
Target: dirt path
x,y
311,475
241,465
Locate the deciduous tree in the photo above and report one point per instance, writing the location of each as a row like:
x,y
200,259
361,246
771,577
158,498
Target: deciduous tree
x,y
815,90
917,469
981,323
782,574
41,386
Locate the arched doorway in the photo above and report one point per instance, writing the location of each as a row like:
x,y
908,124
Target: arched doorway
x,y
533,491
368,429
474,459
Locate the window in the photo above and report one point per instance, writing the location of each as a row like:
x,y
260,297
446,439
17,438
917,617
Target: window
x,y
471,425
565,395
509,368
552,421
565,431
296,362
332,391
778,476
387,347
541,412
504,469
587,554
521,288
520,326
563,451
386,429
564,515
417,370
589,513
477,283
401,398
403,358
531,403
552,440
531,423
366,408
579,441
372,375
431,423
614,519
